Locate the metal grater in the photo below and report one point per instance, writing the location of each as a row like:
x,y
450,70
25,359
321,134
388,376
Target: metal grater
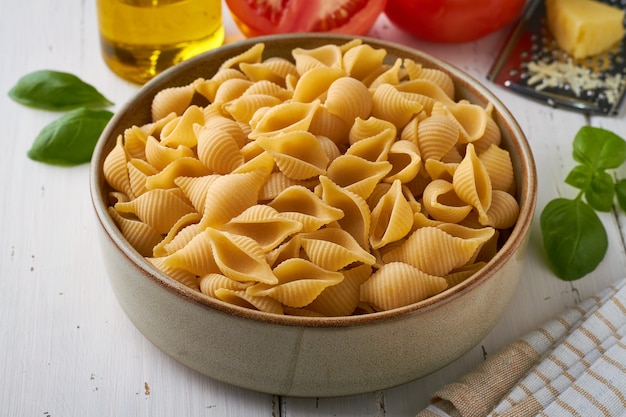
x,y
530,63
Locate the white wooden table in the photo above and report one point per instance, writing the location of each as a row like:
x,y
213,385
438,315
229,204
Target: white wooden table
x,y
66,347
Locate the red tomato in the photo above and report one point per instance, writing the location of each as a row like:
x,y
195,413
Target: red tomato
x,y
452,20
266,17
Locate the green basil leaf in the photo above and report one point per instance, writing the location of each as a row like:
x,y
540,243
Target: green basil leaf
x,y
55,90
620,191
598,148
71,139
580,177
601,191
574,238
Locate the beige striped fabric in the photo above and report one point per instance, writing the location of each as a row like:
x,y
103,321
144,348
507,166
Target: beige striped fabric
x,y
574,365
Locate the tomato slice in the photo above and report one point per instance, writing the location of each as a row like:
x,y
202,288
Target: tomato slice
x,y
266,17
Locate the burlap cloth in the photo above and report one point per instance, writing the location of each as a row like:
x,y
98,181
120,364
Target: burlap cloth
x,y
574,365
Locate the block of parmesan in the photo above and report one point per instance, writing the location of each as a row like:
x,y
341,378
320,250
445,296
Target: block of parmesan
x,y
584,27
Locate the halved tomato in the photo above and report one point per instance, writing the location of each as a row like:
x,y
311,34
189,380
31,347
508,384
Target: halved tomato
x,y
452,20
267,17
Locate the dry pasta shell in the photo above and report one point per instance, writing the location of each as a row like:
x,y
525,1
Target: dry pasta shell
x,y
434,251
218,150
138,172
180,275
374,148
243,299
315,83
405,161
158,208
497,162
342,299
222,204
268,88
357,174
364,128
178,236
231,89
363,60
196,256
409,131
329,147
252,55
240,257
230,126
261,71
504,210
301,204
391,75
264,161
208,88
299,282
285,117
176,240
349,99
429,93
278,182
141,236
399,284
334,249
392,217
352,43
242,109
492,135
159,156
442,203
438,170
263,224
436,76
397,107
183,167
135,142
212,282
291,248
172,100
436,135
472,120
322,56
115,168
195,189
298,154
472,183
357,217
281,66
179,131
329,125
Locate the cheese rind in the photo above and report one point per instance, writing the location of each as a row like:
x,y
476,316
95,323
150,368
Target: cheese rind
x,y
584,27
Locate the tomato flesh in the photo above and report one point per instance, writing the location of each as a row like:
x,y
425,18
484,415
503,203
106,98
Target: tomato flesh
x,y
267,17
452,20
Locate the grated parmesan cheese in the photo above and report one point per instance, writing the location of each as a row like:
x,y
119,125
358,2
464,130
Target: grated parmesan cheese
x,y
575,77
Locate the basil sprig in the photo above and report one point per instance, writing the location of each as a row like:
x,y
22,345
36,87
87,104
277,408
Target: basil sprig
x,y
56,90
71,139
574,238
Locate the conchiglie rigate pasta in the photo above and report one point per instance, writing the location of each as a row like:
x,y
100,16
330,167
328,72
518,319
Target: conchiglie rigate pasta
x,y
337,182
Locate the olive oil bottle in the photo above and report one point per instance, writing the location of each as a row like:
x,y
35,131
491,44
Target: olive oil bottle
x,y
141,38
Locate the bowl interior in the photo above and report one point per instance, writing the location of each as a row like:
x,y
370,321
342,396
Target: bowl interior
x,y
137,112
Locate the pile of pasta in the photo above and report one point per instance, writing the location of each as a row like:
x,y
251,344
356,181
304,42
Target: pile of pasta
x,y
329,184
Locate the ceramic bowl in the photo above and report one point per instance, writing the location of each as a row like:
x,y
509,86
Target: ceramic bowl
x,y
299,356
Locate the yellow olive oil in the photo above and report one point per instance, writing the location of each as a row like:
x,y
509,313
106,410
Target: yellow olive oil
x,y
141,38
